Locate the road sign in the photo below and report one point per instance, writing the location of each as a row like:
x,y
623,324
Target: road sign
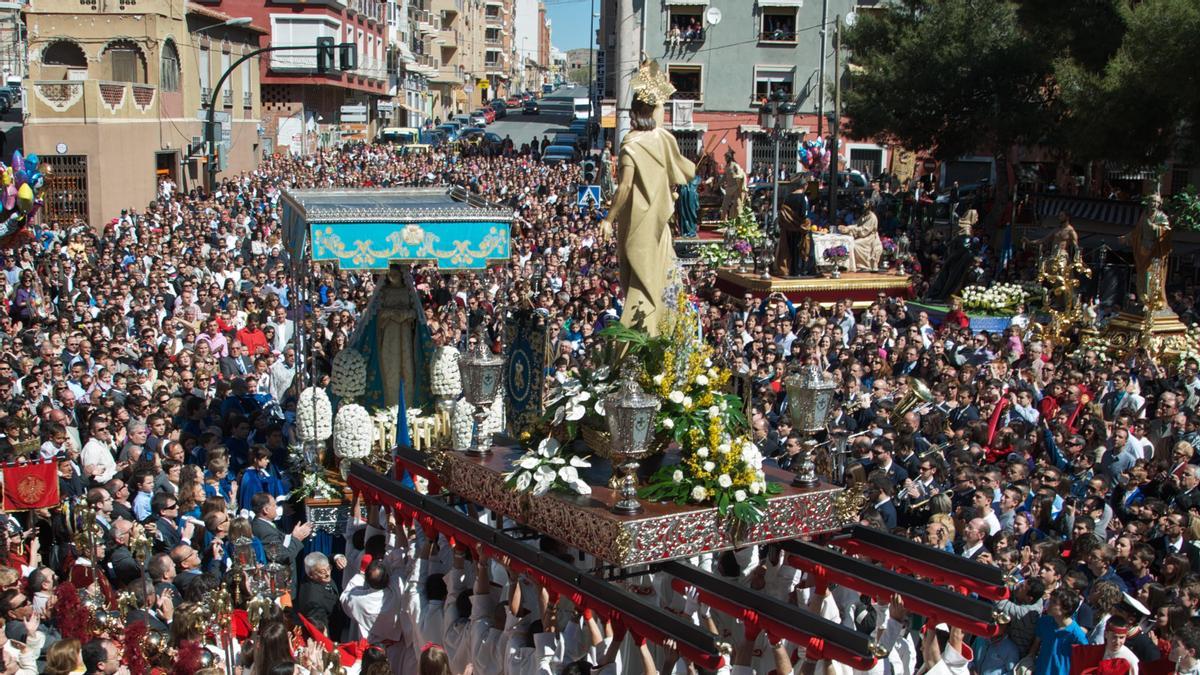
x,y
588,195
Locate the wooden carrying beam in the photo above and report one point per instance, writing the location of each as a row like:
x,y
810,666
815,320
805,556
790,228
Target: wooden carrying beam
x,y
824,639
909,557
607,599
938,604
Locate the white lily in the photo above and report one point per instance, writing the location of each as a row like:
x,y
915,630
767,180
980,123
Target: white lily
x,y
548,447
580,462
529,462
523,481
581,488
568,474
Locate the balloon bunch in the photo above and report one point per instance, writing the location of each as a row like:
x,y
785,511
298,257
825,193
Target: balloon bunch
x,y
814,156
20,187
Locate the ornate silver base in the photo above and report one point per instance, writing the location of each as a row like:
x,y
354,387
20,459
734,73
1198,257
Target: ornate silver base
x,y
806,469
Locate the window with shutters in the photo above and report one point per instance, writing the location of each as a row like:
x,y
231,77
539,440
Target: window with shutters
x,y
168,76
123,62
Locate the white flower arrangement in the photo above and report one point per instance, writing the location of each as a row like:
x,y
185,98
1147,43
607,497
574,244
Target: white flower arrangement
x,y
349,378
314,485
580,400
548,468
995,299
353,432
445,380
314,416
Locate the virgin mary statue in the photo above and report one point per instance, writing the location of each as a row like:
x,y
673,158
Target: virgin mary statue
x,y
648,166
395,341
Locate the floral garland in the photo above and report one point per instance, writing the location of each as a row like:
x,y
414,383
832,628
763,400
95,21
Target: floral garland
x,y
548,468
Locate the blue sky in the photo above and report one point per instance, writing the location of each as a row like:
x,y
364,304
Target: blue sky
x,y
570,23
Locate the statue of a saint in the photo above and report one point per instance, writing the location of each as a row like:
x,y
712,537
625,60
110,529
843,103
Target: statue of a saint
x,y
960,254
606,172
396,337
868,249
1151,244
794,254
648,166
1063,241
733,182
687,208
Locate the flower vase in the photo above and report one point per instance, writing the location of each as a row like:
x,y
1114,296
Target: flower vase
x,y
837,271
743,267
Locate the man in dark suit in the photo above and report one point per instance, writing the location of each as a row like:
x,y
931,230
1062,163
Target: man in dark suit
x,y
881,460
187,565
319,597
965,412
161,570
148,601
279,548
120,564
165,507
880,491
1173,542
237,364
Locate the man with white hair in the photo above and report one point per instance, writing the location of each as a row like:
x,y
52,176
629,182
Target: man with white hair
x,y
318,598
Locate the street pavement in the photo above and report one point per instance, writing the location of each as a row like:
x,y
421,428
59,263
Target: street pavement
x,y
555,115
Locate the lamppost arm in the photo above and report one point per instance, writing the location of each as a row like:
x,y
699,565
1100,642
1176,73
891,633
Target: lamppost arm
x,y
210,127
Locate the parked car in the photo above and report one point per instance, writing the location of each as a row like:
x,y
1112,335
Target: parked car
x,y
564,138
479,135
547,88
531,108
560,153
500,108
408,138
450,129
6,101
462,120
478,118
513,101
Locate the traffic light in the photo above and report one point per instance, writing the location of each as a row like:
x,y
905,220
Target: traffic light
x,y
348,56
589,172
325,46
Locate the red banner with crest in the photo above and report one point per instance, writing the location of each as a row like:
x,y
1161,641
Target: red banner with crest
x,y
32,485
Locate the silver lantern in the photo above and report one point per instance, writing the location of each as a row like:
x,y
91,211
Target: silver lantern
x,y
809,399
630,415
480,370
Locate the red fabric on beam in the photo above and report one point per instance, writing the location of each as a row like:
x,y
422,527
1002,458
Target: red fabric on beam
x,y
896,563
934,613
774,627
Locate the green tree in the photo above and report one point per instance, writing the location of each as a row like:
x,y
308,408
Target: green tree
x,y
951,76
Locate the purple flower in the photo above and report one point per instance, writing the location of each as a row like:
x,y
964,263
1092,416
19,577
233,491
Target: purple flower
x,y
836,252
742,246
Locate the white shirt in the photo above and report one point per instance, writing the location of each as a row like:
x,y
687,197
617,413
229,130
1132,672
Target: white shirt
x,y
97,452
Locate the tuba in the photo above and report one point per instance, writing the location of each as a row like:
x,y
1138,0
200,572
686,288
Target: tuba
x,y
918,395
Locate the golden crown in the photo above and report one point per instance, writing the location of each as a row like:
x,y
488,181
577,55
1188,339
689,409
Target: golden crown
x,y
650,85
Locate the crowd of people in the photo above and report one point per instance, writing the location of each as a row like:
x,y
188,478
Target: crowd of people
x,y
152,360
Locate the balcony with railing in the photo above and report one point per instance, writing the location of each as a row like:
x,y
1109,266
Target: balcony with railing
x,y
92,100
227,98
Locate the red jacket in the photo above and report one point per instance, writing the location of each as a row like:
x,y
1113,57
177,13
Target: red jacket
x,y
252,340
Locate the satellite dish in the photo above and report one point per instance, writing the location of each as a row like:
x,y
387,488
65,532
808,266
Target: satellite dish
x,y
712,16
850,19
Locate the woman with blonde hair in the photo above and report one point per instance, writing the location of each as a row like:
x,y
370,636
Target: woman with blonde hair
x,y
64,657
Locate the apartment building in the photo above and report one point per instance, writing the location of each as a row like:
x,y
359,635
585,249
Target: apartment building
x,y
117,95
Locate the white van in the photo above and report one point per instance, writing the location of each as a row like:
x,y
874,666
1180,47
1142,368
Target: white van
x,y
583,108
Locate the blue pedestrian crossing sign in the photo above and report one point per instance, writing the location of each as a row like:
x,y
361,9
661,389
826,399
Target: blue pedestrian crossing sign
x,y
589,195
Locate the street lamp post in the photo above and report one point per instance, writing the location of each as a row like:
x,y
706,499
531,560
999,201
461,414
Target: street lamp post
x,y
776,116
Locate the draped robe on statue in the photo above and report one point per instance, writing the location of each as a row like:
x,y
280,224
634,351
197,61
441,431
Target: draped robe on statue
x,y
643,237
380,335
868,249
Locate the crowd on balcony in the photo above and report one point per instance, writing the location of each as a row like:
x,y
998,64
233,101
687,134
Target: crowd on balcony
x,y
150,359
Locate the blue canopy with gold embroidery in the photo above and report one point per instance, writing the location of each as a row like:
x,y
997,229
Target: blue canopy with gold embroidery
x,y
365,229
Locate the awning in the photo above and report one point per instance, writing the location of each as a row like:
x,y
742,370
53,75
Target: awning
x,y
701,3
780,3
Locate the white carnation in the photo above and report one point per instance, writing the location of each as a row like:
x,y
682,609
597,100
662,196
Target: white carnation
x,y
702,380
314,416
676,396
699,494
709,466
702,452
349,377
714,412
353,432
445,379
677,476
739,496
668,423
687,402
725,481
